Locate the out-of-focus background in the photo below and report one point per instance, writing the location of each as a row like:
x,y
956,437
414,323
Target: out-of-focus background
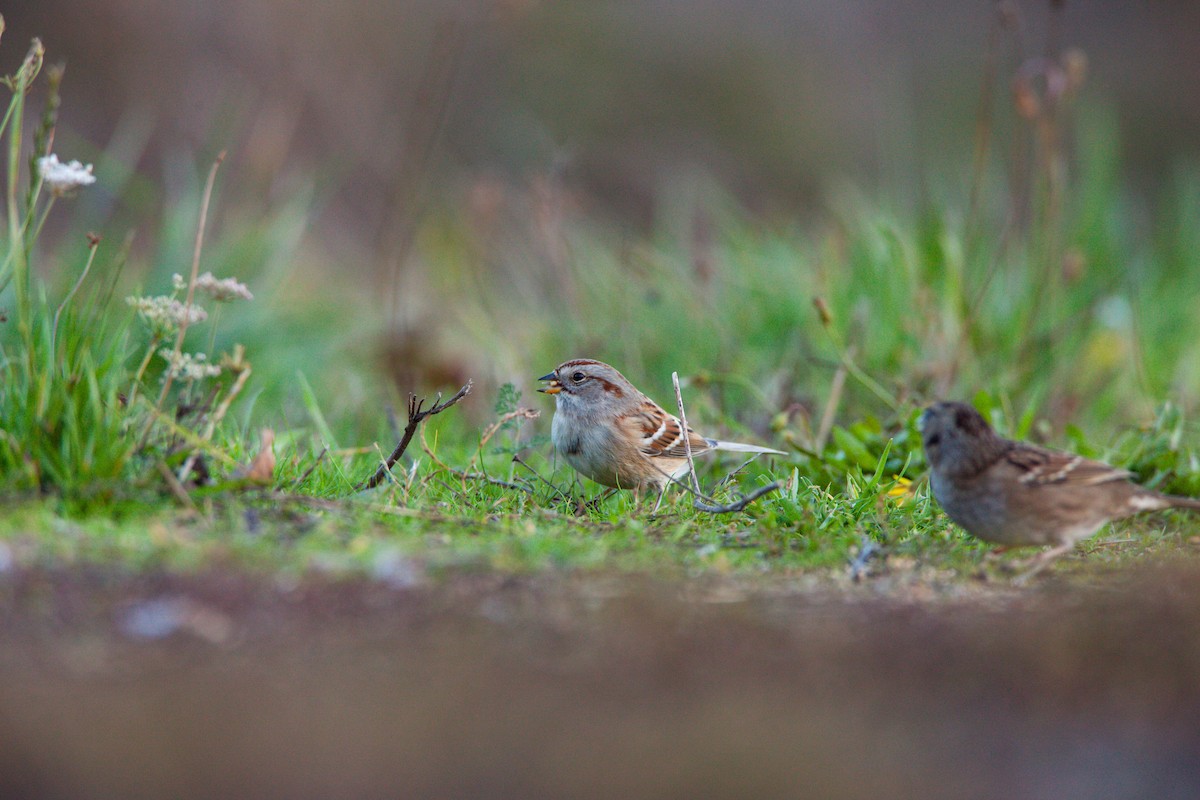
x,y
446,101
446,175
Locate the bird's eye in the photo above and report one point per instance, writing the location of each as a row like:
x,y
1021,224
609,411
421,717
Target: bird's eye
x,y
578,377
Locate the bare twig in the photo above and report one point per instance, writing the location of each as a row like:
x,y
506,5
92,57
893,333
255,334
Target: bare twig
x,y
465,476
416,415
480,476
739,504
214,420
385,466
699,500
311,467
175,486
687,439
518,460
729,478
194,439
520,413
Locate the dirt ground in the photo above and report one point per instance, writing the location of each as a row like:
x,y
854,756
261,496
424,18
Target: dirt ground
x,y
597,686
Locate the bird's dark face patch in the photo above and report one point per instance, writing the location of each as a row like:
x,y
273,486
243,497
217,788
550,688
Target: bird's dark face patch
x,y
969,421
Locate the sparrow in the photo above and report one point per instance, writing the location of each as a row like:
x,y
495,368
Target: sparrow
x,y
1015,493
612,433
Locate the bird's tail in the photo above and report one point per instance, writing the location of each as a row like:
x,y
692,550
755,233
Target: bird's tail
x,y
738,447
1175,501
1153,501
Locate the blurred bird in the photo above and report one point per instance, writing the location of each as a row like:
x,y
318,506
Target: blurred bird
x,y
1013,493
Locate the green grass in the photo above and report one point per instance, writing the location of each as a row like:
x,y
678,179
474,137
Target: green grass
x,y
1077,329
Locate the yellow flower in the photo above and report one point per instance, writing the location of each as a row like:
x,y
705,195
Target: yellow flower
x,y
901,491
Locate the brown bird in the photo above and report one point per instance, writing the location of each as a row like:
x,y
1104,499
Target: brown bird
x,y
612,433
1014,493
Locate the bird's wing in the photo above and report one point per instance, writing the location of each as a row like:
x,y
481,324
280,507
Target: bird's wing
x,y
660,435
1038,466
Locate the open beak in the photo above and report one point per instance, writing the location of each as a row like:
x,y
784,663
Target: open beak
x,y
553,387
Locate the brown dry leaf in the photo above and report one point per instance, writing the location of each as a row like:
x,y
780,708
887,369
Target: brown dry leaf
x,y
262,468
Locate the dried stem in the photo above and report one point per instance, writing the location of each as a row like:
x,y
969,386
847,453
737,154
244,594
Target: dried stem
x,y
311,468
687,439
175,486
518,460
415,417
699,500
739,504
141,370
215,419
93,245
191,292
831,406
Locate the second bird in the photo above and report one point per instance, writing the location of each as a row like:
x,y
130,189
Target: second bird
x,y
612,433
1014,493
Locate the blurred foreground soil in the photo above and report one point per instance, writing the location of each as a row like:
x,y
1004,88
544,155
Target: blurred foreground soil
x,y
595,685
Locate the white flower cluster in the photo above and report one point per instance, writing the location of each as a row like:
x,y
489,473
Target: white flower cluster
x,y
223,290
187,366
62,178
164,314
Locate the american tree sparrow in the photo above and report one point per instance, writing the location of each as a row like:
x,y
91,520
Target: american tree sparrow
x,y
612,433
1014,493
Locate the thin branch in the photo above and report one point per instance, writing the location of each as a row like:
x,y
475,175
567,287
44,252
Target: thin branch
x,y
698,500
194,439
739,504
687,439
494,428
386,467
415,417
465,476
480,476
215,419
311,468
729,478
518,460
175,486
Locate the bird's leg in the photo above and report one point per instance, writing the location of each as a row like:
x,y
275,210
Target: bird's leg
x,y
1042,560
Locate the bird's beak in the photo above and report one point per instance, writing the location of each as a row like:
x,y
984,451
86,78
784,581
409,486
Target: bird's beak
x,y
554,387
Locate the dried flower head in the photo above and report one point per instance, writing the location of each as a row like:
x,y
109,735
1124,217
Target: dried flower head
x,y
164,314
188,366
62,179
223,290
